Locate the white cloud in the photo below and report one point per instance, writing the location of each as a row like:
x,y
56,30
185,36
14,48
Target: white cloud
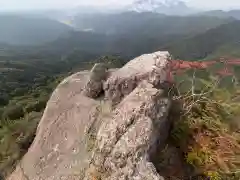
x,y
215,4
37,4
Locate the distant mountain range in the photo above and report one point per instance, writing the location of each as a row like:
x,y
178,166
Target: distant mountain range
x,y
154,24
222,14
149,26
29,30
131,33
223,40
168,7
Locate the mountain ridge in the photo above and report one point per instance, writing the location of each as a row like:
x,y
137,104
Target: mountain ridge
x,y
221,13
204,44
26,30
168,7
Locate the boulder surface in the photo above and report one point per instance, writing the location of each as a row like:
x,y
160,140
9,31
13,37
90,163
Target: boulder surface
x,y
150,67
59,150
129,137
112,137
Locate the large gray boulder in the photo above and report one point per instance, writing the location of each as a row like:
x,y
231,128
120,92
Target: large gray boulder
x,y
128,138
80,137
151,67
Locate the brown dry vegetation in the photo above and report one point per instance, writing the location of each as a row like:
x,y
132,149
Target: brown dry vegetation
x,y
207,134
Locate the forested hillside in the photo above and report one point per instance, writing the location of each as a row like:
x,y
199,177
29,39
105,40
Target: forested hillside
x,y
209,43
28,30
148,23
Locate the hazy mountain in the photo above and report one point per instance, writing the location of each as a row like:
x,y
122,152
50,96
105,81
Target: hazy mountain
x,y
78,40
29,30
153,24
222,14
225,37
234,13
128,33
131,33
168,7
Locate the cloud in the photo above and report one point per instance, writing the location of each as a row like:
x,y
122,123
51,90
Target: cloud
x,y
214,4
40,4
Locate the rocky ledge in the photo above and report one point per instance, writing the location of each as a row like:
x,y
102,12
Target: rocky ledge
x,y
102,124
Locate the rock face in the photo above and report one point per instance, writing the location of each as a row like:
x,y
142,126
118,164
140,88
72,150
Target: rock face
x,y
59,150
94,85
149,67
80,137
127,139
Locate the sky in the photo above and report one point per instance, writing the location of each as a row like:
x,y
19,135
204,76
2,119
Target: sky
x,y
43,4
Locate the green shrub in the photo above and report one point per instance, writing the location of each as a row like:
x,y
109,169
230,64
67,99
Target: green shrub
x,y
198,157
3,100
1,112
212,175
13,112
16,136
36,106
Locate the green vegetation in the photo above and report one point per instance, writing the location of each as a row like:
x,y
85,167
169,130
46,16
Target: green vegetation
x,y
207,132
230,50
222,40
25,89
16,136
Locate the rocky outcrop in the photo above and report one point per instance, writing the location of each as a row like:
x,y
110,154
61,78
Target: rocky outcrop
x,y
149,67
60,149
94,85
80,137
128,138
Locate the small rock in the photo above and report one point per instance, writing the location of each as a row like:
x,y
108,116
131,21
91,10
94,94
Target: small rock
x,y
94,85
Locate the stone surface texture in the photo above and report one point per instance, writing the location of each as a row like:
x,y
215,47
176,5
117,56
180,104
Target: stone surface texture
x,y
112,137
126,141
151,67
